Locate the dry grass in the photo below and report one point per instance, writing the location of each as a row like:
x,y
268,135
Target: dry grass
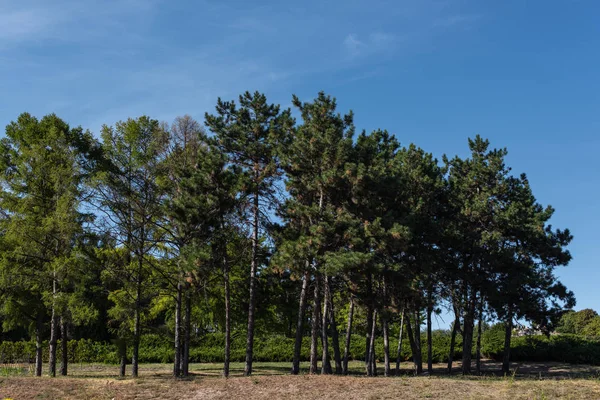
x,y
272,382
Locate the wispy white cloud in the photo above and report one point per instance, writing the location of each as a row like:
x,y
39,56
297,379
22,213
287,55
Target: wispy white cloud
x,y
374,42
40,21
353,45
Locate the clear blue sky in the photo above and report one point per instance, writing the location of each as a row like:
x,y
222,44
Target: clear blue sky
x,y
524,74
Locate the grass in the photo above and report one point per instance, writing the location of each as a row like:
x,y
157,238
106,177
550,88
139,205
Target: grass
x,y
272,381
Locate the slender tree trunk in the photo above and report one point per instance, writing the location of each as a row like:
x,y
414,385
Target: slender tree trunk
x,y
468,338
137,322
416,351
300,323
314,334
478,352
187,327
369,320
386,344
453,340
372,364
123,351
227,313
38,344
507,338
177,358
429,338
53,340
335,340
399,352
252,291
348,336
325,363
64,337
54,329
417,332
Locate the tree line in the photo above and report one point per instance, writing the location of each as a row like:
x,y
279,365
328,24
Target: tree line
x,y
260,221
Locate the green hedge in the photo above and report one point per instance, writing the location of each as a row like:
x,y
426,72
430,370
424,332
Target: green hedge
x,y
566,348
209,348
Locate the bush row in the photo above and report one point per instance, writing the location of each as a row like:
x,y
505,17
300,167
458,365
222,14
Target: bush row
x,y
209,348
566,348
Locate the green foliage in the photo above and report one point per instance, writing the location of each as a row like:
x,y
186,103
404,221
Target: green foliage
x,y
584,322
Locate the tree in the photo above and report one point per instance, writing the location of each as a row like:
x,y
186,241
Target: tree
x,y
129,197
201,196
249,136
44,164
314,165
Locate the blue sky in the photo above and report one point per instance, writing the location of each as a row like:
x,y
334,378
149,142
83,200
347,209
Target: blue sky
x,y
522,73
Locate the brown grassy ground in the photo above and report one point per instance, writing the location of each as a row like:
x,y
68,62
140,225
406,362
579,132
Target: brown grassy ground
x,y
532,381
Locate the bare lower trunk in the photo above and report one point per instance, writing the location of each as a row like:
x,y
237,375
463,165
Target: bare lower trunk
x,y
335,340
53,340
314,334
507,338
123,355
187,327
348,336
300,324
137,325
177,339
386,344
372,363
325,362
38,344
453,341
399,352
468,339
429,340
64,337
369,320
417,332
416,352
227,315
478,352
252,291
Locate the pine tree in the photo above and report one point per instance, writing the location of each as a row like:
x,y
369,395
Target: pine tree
x,y
249,136
128,194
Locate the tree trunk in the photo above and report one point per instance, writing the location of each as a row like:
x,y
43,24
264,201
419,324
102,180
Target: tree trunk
x,y
335,340
399,352
38,344
417,332
416,352
453,340
177,358
372,364
314,334
507,338
386,344
468,338
429,338
325,362
123,353
479,327
187,327
252,291
54,329
137,323
64,337
300,323
369,321
227,313
348,336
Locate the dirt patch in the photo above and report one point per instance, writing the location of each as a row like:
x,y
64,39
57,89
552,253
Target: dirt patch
x,y
272,382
